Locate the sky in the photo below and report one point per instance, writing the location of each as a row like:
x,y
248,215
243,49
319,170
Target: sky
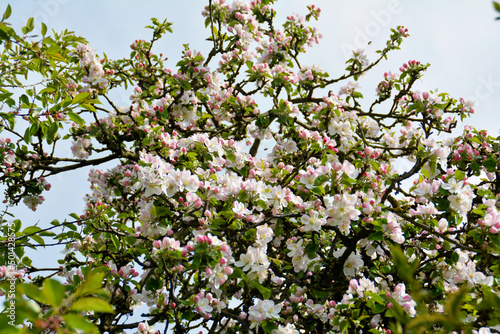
x,y
459,38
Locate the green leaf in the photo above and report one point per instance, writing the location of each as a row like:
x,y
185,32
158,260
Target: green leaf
x,y
6,325
71,227
31,229
346,180
459,175
88,106
33,292
269,326
491,301
44,29
454,302
27,136
320,191
103,293
426,321
10,118
196,261
57,57
237,273
7,13
47,90
92,304
476,140
153,284
161,211
80,98
54,49
231,156
401,263
17,225
115,240
38,239
30,25
399,313
496,5
443,204
185,85
490,164
263,122
3,32
77,321
312,250
374,331
265,292
376,236
55,222
91,283
187,315
425,172
53,292
27,261
377,308
51,132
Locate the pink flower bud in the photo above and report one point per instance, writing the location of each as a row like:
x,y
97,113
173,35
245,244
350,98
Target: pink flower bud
x,y
353,284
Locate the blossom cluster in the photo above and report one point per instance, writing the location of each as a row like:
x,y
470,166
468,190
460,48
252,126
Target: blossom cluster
x,y
95,76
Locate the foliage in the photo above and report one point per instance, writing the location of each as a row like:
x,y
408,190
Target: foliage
x,y
496,6
246,194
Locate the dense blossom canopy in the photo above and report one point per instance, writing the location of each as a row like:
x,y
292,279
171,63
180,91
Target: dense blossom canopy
x,y
248,191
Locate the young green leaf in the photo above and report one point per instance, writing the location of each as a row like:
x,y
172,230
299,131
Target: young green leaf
x,y
7,13
94,304
76,321
75,117
80,98
53,292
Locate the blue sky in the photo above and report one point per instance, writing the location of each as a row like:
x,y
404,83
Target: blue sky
x,y
459,38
